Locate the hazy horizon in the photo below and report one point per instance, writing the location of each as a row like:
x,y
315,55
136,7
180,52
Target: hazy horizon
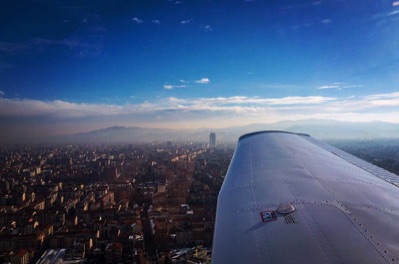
x,y
319,129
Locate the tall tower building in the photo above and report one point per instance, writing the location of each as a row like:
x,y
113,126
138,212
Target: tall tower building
x,y
212,140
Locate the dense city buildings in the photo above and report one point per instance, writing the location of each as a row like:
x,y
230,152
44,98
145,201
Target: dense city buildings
x,y
144,203
148,203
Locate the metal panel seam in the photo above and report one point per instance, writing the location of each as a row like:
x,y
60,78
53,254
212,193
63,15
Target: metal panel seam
x,y
250,162
354,219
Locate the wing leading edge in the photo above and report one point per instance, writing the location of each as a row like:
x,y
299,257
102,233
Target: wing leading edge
x,y
288,198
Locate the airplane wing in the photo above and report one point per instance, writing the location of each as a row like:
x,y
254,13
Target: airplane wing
x,y
288,198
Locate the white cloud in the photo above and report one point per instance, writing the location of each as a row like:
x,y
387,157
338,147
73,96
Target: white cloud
x,y
1,93
393,13
207,28
388,100
183,81
176,100
326,21
339,86
28,107
203,81
293,100
382,96
328,87
169,87
196,112
255,103
137,20
351,86
185,21
396,3
155,21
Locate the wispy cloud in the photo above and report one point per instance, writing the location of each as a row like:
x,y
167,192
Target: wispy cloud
x,y
57,107
207,28
2,93
183,22
28,107
390,100
384,15
295,100
89,44
156,21
326,21
339,86
393,13
197,112
351,86
170,87
183,84
203,81
86,41
137,20
176,100
253,104
328,87
12,48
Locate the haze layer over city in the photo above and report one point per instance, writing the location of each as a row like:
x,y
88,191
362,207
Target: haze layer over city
x,y
69,67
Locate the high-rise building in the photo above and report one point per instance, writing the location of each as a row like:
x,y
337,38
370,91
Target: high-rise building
x,y
212,140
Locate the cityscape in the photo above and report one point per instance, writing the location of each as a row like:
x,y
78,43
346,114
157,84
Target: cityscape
x,y
147,203
122,203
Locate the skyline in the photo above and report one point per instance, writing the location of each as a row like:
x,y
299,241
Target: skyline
x,y
69,67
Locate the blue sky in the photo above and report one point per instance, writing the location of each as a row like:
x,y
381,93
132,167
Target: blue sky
x,y
68,66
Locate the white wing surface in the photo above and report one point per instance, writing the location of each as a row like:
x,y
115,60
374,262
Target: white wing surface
x,y
288,198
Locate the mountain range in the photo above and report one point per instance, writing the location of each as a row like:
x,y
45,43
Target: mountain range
x,y
321,129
